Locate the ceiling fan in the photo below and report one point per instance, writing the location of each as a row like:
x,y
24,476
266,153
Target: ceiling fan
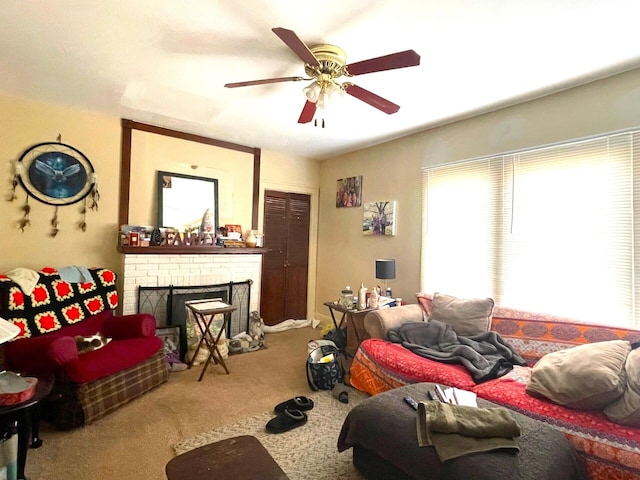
x,y
324,64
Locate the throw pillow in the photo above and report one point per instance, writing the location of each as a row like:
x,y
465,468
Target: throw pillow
x,y
626,409
466,317
425,302
585,377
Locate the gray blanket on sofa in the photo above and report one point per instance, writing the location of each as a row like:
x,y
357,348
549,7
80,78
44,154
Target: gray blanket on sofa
x,y
486,355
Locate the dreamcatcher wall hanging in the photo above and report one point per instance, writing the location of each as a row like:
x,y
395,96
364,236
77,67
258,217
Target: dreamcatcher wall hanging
x,y
56,174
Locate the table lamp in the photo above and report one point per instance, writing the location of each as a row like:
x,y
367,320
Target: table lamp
x,y
385,270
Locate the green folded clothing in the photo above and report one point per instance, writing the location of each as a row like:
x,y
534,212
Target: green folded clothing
x,y
456,430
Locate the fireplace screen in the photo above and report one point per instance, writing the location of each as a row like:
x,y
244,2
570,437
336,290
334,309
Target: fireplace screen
x,y
166,304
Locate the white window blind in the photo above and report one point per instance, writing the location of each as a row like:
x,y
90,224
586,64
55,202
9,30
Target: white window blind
x,y
548,230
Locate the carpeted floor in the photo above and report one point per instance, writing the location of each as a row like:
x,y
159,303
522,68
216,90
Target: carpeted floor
x,y
308,451
136,440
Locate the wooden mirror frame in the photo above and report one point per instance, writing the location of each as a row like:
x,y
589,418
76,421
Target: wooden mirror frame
x,y
125,163
205,188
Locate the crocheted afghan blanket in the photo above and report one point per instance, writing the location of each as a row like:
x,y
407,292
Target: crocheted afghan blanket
x,y
55,303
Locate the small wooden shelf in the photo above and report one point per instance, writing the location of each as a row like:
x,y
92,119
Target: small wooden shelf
x,y
186,250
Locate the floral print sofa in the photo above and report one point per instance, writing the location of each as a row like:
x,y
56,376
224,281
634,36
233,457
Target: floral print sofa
x,y
610,450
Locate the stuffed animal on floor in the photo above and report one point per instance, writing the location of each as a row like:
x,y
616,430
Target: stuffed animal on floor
x,y
91,343
256,328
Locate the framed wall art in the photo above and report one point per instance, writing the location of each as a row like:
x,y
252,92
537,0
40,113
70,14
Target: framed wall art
x,y
55,173
349,192
379,218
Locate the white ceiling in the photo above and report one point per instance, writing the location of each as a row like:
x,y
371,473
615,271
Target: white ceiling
x,y
165,61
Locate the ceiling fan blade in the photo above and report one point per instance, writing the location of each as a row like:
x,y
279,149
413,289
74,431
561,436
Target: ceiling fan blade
x,y
263,81
292,41
372,99
308,111
408,58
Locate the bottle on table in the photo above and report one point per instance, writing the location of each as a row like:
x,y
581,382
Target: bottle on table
x,y
373,299
362,297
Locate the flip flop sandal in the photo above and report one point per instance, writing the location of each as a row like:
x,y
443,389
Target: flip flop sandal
x,y
341,392
285,421
296,403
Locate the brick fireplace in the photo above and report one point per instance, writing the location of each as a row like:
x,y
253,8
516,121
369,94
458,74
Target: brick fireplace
x,y
180,269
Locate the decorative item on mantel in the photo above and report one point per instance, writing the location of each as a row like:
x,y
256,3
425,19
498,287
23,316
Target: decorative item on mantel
x,y
145,236
251,239
142,236
207,227
231,236
135,235
55,174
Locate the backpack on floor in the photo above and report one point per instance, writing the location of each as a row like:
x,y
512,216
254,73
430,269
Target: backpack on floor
x,y
323,365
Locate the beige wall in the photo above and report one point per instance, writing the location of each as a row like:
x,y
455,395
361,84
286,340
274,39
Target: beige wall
x,y
25,123
345,256
151,153
392,172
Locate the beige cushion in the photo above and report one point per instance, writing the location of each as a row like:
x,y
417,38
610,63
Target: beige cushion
x,y
586,377
466,317
626,409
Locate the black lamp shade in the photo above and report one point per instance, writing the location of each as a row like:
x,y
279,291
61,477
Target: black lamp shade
x,y
385,268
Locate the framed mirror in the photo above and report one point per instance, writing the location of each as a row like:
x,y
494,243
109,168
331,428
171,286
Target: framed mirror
x,y
187,202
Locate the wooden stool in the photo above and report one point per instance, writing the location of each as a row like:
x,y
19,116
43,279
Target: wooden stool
x,y
240,458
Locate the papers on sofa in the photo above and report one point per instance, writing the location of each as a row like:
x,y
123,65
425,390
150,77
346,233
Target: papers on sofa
x,y
455,396
465,398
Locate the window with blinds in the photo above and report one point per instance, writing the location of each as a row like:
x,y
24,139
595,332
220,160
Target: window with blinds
x,y
547,230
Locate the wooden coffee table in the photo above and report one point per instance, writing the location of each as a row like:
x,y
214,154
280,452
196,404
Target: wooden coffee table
x,y
240,458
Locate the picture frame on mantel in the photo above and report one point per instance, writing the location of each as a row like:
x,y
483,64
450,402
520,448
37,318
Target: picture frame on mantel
x,y
349,192
379,218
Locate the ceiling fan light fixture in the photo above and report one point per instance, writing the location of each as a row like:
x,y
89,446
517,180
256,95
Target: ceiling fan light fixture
x,y
322,92
323,100
312,91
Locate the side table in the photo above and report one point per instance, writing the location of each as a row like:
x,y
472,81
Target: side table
x,y
353,321
27,418
204,311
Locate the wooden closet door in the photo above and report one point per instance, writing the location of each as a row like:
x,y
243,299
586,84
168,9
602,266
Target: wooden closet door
x,y
285,267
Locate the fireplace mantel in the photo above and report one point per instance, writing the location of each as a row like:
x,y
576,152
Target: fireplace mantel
x,y
187,250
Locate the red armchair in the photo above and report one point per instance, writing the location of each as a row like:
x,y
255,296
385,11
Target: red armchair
x,y
87,385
